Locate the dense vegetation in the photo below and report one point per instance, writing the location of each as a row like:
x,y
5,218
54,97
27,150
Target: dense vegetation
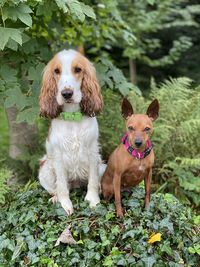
x,y
30,227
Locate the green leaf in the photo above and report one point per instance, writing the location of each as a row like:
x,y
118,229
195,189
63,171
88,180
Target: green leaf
x,y
28,115
9,33
62,4
35,74
88,11
12,45
108,261
195,249
26,19
76,9
15,97
149,261
8,74
18,249
151,2
20,12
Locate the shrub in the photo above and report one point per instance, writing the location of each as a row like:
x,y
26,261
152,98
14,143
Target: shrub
x,y
30,226
111,124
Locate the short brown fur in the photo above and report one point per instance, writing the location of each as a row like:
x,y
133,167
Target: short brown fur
x,y
123,170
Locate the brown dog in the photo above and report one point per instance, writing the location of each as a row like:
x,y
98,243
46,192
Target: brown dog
x,y
131,161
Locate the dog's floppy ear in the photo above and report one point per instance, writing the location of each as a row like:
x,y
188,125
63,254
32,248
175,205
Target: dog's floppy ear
x,y
92,101
49,107
127,109
153,110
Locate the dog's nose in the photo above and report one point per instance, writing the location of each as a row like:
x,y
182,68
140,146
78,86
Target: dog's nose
x,y
67,93
138,142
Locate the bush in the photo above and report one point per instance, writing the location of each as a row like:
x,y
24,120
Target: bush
x,y
111,124
30,226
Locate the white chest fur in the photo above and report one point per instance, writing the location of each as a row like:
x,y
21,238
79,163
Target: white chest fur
x,y
74,143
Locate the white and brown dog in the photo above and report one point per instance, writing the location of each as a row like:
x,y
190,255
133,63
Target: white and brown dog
x,y
71,97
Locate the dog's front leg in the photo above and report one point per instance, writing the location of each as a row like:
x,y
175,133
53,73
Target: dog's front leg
x,y
117,192
93,181
62,187
147,183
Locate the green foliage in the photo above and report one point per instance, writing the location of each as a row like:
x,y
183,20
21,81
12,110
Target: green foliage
x,y
30,226
150,22
113,78
111,124
4,175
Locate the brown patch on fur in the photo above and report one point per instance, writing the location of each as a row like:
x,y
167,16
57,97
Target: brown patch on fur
x,y
42,162
49,107
92,101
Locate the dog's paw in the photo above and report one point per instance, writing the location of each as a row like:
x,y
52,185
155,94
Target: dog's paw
x,y
53,199
120,213
67,206
92,198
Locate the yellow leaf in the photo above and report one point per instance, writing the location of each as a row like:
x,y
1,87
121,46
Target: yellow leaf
x,y
154,238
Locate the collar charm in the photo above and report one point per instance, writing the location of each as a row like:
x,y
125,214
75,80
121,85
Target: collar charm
x,y
133,151
71,116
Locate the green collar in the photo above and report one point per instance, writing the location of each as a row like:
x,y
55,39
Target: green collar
x,y
71,116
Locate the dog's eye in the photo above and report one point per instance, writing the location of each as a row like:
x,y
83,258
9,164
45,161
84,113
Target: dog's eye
x,y
57,71
147,129
130,128
77,70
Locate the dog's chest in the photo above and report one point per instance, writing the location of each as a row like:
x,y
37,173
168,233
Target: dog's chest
x,y
134,174
75,142
74,136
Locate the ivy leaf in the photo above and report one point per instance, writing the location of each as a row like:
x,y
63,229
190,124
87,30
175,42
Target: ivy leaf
x,y
18,249
9,33
149,261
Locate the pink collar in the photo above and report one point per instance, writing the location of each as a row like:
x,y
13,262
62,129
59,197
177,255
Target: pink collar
x,y
133,151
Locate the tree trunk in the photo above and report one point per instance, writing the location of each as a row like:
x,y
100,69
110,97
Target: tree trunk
x,y
21,135
132,71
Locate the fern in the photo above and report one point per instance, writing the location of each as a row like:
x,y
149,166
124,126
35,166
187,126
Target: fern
x,y
176,137
4,175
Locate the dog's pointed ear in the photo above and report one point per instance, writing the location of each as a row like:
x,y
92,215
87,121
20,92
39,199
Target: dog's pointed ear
x,y
153,110
127,109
